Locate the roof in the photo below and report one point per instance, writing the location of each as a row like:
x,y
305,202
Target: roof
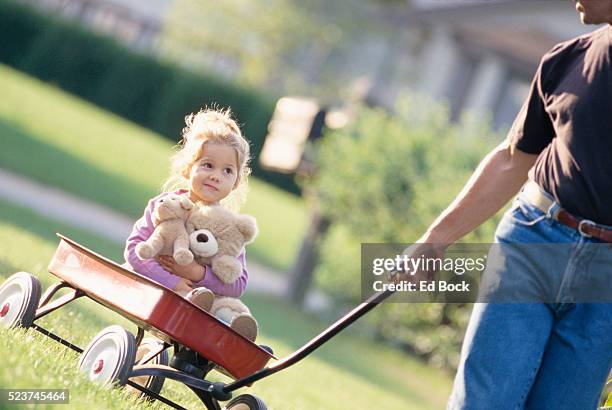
x,y
477,10
520,31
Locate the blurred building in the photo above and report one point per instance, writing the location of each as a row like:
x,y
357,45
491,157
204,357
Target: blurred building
x,y
478,55
136,23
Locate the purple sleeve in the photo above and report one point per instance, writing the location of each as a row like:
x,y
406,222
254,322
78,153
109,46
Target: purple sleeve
x,y
235,289
143,228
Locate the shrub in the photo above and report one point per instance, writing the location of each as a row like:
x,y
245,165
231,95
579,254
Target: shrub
x,y
72,58
20,28
384,179
131,88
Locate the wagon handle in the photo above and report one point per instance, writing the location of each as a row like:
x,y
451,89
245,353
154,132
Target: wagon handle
x,y
313,344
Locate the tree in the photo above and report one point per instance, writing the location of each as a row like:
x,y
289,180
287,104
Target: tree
x,y
304,47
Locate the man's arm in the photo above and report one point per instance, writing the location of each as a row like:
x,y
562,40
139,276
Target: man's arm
x,y
496,180
501,173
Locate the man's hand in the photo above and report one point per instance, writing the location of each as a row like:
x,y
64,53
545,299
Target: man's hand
x,y
184,286
193,272
419,253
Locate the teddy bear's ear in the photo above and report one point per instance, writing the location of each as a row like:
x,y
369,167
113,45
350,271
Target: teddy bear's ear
x,y
186,203
247,227
155,217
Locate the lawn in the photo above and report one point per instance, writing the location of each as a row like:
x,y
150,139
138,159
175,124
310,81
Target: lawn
x,y
60,140
349,372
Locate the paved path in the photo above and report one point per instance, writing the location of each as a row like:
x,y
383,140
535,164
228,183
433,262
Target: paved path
x,y
82,213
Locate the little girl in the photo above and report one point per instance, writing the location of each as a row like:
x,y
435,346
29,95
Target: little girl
x,y
211,164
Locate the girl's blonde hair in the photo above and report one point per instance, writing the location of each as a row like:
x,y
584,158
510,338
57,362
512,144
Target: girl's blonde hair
x,y
215,127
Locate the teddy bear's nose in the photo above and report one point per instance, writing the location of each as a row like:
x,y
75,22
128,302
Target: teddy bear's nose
x,y
202,238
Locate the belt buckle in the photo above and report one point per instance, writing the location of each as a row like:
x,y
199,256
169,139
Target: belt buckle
x,y
585,222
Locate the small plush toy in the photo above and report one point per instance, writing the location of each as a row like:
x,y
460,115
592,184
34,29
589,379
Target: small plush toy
x,y
170,236
216,238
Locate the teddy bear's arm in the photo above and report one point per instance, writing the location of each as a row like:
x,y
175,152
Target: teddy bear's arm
x,y
227,268
235,289
151,247
182,254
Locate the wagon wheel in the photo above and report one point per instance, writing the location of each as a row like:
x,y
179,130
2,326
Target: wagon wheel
x,y
606,395
19,297
153,383
109,357
246,402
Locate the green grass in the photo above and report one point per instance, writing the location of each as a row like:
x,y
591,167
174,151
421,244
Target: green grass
x,y
62,141
348,372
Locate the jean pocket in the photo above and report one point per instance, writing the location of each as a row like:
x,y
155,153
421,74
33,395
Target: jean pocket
x,y
524,213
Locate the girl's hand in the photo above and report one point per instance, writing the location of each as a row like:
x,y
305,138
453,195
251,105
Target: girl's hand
x,y
184,286
194,271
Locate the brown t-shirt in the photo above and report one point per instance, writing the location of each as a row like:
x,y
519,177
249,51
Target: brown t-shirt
x,y
567,119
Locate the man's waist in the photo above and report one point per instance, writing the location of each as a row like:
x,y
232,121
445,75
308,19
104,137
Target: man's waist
x,y
540,199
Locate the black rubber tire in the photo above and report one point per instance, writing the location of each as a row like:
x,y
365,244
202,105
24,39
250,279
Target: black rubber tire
x,y
153,383
267,349
251,401
113,350
19,298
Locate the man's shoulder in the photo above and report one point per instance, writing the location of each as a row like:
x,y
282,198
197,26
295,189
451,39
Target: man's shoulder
x,y
565,53
574,44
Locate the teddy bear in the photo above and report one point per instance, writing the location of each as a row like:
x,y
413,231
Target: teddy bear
x,y
216,239
170,236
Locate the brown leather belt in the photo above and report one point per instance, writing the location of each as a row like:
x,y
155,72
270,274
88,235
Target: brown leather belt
x,y
534,195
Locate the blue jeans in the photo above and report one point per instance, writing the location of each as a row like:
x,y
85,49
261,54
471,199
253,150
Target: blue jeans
x,y
538,355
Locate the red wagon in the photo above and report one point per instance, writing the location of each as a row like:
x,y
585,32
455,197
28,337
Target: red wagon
x,y
200,342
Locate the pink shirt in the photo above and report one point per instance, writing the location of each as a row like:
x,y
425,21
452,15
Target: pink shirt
x,y
143,229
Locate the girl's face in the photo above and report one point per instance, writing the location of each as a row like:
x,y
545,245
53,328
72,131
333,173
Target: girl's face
x,y
214,175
